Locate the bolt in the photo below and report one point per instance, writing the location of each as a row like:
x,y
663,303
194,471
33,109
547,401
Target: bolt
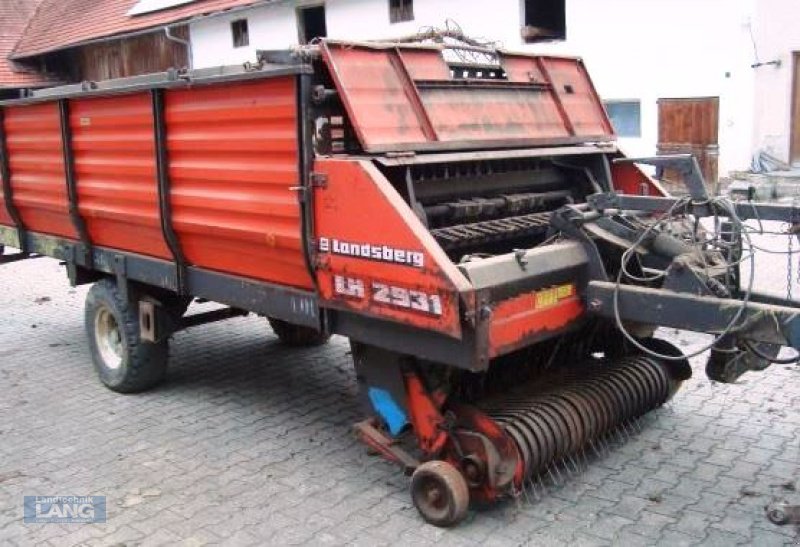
x,y
595,305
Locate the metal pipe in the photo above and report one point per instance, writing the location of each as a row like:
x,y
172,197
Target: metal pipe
x,y
186,43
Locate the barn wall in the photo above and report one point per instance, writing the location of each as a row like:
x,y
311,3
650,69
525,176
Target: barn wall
x,y
132,56
117,58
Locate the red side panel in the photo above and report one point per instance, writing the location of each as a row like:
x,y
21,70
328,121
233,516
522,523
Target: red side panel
x,y
578,98
630,179
36,164
376,258
473,114
518,320
115,169
4,218
376,96
233,152
402,97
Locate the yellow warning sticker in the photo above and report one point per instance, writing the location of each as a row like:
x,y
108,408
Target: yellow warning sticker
x,y
551,296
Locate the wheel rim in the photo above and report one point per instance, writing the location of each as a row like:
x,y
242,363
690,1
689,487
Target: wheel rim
x,y
108,338
432,498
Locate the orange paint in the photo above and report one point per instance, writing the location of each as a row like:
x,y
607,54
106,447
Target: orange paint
x,y
516,321
36,165
406,97
630,179
359,206
234,159
115,171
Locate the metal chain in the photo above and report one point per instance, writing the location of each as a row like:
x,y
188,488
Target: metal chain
x,y
789,268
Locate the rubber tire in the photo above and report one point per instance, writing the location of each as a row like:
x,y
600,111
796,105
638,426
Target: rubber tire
x,y
451,484
296,335
777,516
144,364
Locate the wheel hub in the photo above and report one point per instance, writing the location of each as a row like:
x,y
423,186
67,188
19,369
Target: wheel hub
x,y
108,338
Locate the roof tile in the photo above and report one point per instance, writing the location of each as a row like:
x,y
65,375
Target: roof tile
x,y
61,23
14,15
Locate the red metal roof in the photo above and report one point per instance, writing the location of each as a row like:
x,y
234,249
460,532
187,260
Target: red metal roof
x,y
58,24
14,15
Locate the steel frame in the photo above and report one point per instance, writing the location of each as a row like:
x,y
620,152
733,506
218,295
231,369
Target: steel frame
x,y
697,313
164,190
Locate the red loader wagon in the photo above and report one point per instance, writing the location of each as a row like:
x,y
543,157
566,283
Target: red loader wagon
x,y
462,214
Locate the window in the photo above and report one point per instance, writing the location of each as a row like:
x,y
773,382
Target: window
x,y
241,33
544,20
311,23
626,117
401,10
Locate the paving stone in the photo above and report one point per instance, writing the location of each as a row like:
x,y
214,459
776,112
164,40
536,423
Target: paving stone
x,y
249,442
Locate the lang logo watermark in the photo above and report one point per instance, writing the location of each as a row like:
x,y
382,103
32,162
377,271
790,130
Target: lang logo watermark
x,y
64,509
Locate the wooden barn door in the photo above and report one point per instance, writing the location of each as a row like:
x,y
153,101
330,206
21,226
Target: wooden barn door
x,y
690,126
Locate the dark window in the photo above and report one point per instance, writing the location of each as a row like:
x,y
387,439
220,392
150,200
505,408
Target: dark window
x,y
626,117
241,33
311,23
544,20
401,10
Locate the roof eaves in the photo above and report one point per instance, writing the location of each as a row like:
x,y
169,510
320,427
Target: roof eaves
x,y
138,32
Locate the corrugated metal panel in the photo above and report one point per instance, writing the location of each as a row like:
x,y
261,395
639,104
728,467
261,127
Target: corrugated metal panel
x,y
477,114
576,93
36,163
4,218
376,97
405,98
115,167
233,153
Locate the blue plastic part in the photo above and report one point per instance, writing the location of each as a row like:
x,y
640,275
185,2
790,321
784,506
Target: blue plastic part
x,y
389,410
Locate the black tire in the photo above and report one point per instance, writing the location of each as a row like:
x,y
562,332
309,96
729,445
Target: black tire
x,y
777,516
296,335
440,493
123,362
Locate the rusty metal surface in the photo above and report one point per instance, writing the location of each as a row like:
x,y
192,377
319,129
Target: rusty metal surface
x,y
402,98
36,168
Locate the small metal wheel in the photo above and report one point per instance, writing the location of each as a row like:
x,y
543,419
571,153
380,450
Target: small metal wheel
x,y
440,493
777,516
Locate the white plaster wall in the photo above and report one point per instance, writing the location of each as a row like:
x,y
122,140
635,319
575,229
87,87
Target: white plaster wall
x,y
776,30
273,26
666,49
635,49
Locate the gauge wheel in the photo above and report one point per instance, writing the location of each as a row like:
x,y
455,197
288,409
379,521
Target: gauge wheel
x,y
440,493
